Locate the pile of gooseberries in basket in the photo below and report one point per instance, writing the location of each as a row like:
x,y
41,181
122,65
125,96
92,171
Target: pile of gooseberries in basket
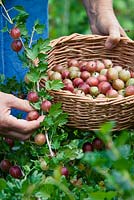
x,y
99,78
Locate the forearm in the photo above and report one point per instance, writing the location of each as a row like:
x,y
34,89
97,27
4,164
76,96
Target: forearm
x,y
96,7
103,21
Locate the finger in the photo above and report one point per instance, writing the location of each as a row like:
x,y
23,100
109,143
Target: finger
x,y
16,135
21,125
114,37
20,104
94,29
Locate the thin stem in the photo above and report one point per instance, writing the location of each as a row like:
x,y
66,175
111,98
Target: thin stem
x,y
49,145
9,19
22,42
38,86
6,18
31,39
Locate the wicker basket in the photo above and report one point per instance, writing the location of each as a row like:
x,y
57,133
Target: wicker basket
x,y
85,113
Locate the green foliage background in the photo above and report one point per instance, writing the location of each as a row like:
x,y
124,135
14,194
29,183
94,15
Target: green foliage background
x,y
66,17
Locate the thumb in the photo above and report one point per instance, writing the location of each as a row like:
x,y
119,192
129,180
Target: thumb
x,y
114,37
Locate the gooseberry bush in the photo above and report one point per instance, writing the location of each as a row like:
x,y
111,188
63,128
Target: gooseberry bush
x,y
58,162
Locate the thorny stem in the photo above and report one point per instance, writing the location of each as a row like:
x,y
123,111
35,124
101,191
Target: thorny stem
x,y
49,145
8,17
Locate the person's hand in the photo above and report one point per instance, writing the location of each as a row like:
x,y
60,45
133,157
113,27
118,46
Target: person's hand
x,y
12,127
103,21
106,23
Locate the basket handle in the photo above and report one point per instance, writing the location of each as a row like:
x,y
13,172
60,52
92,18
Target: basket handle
x,y
73,36
77,36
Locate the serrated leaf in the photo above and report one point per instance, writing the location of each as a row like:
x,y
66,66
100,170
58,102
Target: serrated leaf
x,y
32,53
42,67
42,58
33,76
43,43
48,122
46,49
54,108
44,192
61,119
39,28
36,177
54,85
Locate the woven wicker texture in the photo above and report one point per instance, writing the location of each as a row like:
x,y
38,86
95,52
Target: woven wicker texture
x,y
85,113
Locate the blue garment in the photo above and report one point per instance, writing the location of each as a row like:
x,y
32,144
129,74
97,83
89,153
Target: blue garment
x,y
10,65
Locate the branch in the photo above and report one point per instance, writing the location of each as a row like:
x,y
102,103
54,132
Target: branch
x,y
8,17
49,145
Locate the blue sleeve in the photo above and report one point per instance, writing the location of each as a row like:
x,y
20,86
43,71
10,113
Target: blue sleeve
x,y
9,63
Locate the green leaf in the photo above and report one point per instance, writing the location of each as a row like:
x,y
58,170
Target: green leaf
x,y
55,109
125,150
20,18
61,119
42,67
94,159
5,29
32,53
23,29
46,49
36,105
107,127
22,15
48,122
50,180
2,78
122,138
42,57
36,177
33,76
45,191
100,195
121,164
54,85
3,184
39,28
19,8
43,43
